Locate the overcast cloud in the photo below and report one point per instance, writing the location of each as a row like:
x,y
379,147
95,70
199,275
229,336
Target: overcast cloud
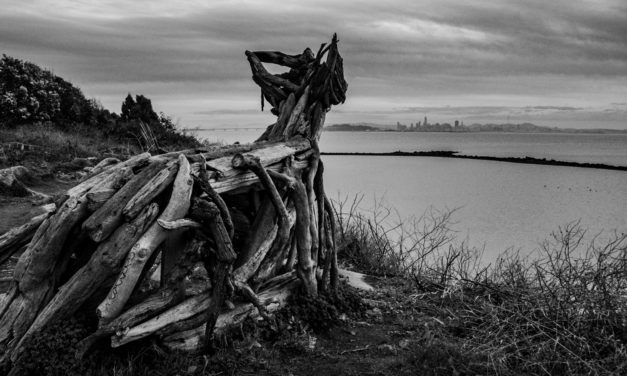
x,y
557,62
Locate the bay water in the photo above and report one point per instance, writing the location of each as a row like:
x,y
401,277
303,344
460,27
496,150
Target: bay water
x,y
499,205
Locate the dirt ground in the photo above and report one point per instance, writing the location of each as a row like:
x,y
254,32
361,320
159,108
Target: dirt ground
x,y
387,337
15,211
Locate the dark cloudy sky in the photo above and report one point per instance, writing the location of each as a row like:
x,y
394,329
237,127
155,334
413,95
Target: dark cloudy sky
x,y
557,62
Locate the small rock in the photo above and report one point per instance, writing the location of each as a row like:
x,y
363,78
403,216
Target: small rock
x,y
373,302
229,304
311,345
256,344
343,317
82,162
375,312
387,349
11,181
403,344
191,369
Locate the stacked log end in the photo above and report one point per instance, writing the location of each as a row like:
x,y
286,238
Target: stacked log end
x,y
250,215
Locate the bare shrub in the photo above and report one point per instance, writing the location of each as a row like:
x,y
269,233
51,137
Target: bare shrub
x,y
562,310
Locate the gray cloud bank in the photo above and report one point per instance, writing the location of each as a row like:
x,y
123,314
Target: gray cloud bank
x,y
398,55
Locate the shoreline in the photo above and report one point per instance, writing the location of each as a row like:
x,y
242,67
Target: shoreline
x,y
453,154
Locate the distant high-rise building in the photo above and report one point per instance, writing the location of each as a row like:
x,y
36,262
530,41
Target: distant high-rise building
x,y
425,122
456,123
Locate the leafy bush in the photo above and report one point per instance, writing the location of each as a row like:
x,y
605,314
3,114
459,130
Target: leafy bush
x,y
31,94
34,96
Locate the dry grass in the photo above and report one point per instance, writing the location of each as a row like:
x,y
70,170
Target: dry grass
x,y
53,144
562,311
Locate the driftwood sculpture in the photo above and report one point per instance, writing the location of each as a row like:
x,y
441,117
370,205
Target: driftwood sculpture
x,y
254,216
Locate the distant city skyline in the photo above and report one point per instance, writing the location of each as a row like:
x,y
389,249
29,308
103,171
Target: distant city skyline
x,y
558,63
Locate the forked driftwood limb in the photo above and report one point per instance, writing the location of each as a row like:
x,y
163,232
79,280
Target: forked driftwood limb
x,y
236,223
147,244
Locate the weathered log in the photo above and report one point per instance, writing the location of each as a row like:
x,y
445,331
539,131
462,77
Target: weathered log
x,y
318,185
7,297
98,198
334,267
283,231
166,297
309,185
292,257
284,117
18,316
242,180
147,244
306,267
14,239
106,219
37,262
188,308
279,58
260,72
104,263
208,213
272,298
272,94
102,166
179,224
295,114
150,190
245,271
250,296
94,181
203,183
317,121
193,308
330,249
271,262
202,307
267,156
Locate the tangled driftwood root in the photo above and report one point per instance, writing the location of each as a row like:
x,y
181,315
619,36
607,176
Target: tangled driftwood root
x,y
254,216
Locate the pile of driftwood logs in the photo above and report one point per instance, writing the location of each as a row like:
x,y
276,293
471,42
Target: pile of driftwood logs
x,y
254,216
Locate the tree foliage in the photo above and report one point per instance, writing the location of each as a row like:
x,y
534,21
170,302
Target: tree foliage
x,y
30,95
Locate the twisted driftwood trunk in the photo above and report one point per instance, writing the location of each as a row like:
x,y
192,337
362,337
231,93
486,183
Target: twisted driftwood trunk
x,y
254,216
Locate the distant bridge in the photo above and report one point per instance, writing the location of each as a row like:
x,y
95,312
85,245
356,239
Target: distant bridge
x,y
225,129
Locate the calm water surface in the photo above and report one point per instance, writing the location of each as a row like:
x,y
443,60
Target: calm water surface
x,y
501,205
592,148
